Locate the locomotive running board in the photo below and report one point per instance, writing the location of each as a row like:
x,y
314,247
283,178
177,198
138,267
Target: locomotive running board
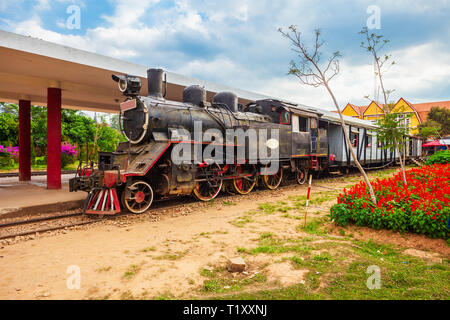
x,y
103,202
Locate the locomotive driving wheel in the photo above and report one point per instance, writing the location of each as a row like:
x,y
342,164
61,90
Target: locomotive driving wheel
x,y
301,175
243,185
209,182
138,198
273,181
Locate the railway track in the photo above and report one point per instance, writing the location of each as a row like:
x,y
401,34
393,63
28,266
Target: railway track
x,y
33,173
91,219
57,219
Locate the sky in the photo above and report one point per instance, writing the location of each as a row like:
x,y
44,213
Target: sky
x,y
237,43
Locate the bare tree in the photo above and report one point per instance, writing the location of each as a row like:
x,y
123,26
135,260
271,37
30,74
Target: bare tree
x,y
374,43
311,71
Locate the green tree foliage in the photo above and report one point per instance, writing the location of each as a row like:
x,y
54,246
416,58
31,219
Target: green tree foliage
x,y
437,124
76,127
108,138
391,131
39,129
115,122
9,129
430,129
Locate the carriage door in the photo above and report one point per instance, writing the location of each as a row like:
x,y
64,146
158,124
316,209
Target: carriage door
x,y
314,135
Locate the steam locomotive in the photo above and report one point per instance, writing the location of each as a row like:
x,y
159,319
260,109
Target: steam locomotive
x,y
201,148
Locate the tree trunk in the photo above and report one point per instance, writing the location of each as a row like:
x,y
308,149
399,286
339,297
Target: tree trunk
x,y
402,166
388,111
355,159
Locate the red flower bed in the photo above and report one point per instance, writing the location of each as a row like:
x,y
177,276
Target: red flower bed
x,y
422,206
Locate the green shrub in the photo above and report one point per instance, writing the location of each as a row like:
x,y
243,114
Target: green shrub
x,y
440,157
6,160
66,159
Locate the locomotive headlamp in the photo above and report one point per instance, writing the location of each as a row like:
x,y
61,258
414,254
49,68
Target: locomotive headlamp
x,y
128,85
122,85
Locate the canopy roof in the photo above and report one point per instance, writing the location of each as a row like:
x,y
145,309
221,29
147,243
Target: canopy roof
x,y
435,143
28,66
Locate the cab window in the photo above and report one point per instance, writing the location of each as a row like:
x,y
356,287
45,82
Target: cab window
x,y
303,124
285,117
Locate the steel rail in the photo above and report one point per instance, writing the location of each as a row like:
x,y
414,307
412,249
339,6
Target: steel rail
x,y
21,222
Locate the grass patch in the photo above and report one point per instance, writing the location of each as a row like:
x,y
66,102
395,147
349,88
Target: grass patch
x,y
164,296
131,272
271,245
241,221
171,255
290,216
225,284
266,235
313,227
267,208
402,276
228,203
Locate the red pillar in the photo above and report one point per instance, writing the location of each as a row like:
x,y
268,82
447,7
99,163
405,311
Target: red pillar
x,y
24,140
53,138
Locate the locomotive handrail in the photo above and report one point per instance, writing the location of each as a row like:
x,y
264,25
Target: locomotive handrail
x,y
223,125
226,107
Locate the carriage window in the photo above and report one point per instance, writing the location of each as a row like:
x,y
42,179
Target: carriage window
x,y
303,124
313,123
354,139
368,141
285,117
295,123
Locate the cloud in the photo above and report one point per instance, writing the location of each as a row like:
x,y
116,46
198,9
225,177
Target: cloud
x,y
236,43
42,5
418,75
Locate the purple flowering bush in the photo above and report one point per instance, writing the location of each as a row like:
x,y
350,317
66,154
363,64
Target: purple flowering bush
x,y
7,155
68,154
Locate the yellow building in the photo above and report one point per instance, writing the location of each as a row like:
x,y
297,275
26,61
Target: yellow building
x,y
408,115
353,111
374,111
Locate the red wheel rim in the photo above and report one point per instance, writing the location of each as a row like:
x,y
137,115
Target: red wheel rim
x,y
139,197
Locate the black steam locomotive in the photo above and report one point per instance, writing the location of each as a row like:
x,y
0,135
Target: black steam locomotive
x,y
200,148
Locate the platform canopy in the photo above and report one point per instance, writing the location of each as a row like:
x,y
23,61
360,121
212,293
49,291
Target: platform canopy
x,y
28,66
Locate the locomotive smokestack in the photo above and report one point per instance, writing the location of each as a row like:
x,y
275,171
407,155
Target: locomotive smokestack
x,y
154,78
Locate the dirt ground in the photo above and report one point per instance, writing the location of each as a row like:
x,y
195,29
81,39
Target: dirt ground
x,y
169,254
